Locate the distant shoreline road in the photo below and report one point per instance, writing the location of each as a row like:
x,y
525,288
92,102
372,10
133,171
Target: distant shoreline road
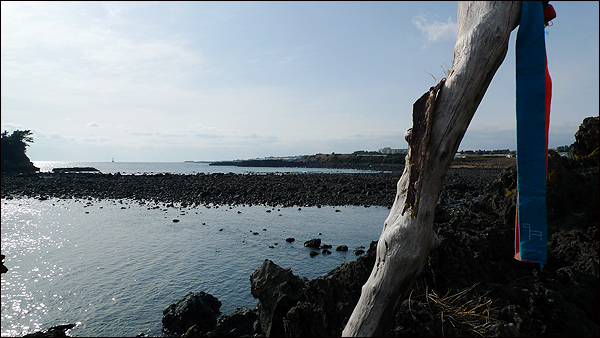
x,y
273,189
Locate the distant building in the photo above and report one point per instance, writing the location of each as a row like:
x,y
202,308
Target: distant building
x,y
388,150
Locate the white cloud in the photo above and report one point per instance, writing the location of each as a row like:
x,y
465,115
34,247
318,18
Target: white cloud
x,y
436,31
93,124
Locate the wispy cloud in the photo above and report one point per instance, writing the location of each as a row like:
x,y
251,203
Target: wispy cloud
x,y
435,31
105,52
209,136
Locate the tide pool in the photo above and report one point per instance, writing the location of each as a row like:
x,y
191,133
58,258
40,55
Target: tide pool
x,y
113,266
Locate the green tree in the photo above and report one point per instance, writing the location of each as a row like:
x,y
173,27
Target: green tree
x,y
18,136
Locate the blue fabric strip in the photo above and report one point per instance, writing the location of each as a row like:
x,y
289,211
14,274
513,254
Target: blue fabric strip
x,y
531,133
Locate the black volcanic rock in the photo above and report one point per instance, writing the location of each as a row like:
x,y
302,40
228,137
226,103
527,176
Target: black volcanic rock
x,y
240,323
314,243
320,307
585,148
277,290
200,309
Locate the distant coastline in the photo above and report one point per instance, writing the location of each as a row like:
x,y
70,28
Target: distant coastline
x,y
390,162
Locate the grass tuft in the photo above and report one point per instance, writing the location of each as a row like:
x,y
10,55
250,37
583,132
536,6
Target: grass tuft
x,y
460,310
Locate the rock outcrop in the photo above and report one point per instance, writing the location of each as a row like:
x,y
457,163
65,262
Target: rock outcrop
x,y
198,309
585,148
329,300
295,307
314,243
277,290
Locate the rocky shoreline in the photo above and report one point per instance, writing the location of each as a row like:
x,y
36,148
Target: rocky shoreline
x,y
277,189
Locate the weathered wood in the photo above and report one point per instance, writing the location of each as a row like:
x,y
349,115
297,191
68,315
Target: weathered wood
x,y
440,120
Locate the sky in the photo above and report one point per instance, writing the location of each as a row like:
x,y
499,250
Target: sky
x,y
206,81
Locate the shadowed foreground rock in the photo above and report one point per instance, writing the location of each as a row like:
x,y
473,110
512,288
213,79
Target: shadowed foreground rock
x,y
198,309
278,290
242,322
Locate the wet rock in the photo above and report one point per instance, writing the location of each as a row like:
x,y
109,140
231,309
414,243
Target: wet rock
x,y
358,252
313,253
277,290
342,247
55,331
199,308
290,239
314,243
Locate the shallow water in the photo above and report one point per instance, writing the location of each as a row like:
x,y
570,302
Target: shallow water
x,y
113,266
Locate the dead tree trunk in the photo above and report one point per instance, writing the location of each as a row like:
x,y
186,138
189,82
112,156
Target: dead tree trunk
x,y
440,119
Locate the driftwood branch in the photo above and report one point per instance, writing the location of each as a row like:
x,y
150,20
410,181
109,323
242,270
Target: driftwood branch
x,y
440,119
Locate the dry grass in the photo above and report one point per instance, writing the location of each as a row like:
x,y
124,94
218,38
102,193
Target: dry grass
x,y
461,311
447,71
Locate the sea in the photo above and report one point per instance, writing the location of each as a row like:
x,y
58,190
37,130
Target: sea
x,y
112,266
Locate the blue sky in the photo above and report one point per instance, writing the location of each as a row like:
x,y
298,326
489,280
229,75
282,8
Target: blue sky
x,y
171,81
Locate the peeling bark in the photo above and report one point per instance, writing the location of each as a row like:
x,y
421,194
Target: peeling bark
x,y
440,119
418,141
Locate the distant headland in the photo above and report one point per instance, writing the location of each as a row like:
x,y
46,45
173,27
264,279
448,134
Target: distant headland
x,y
14,147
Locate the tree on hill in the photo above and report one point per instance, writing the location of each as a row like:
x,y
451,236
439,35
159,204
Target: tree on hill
x,y
13,150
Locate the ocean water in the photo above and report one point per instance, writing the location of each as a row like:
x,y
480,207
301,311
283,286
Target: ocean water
x,y
178,167
113,266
